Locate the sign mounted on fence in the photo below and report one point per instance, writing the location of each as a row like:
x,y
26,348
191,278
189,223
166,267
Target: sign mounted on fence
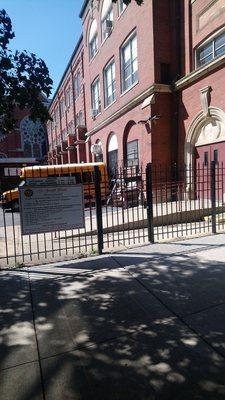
x,y
51,207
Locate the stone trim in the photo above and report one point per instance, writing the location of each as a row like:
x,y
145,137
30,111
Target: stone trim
x,y
155,88
198,73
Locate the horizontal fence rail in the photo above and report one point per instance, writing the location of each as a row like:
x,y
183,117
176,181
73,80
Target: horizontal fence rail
x,y
133,206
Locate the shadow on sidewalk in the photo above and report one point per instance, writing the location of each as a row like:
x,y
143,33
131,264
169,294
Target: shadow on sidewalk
x,y
114,331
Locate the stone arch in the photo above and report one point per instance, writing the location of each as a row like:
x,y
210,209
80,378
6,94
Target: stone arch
x,y
197,135
197,127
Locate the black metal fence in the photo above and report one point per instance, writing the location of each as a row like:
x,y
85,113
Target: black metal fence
x,y
135,206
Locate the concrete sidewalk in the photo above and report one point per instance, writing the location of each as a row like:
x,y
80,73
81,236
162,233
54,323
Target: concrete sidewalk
x,y
144,324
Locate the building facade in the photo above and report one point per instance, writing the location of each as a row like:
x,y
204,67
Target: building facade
x,y
25,145
144,85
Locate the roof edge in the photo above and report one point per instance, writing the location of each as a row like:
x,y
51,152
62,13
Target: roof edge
x,y
83,8
67,68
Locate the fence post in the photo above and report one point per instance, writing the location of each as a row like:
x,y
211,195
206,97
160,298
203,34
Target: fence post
x,y
213,195
98,202
149,202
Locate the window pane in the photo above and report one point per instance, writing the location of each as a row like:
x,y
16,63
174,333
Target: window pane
x,y
127,71
220,41
126,53
129,63
135,65
132,153
220,51
110,83
205,51
206,60
96,96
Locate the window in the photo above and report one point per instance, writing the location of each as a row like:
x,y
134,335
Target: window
x,y
77,85
107,23
56,116
216,156
68,98
132,153
64,135
206,158
93,39
79,119
110,83
212,49
62,107
33,138
129,63
122,6
106,18
93,46
70,128
95,95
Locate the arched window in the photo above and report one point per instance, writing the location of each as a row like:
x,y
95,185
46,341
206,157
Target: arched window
x,y
33,138
112,153
93,39
106,18
99,152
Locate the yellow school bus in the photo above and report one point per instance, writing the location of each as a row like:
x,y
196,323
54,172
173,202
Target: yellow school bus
x,y
84,174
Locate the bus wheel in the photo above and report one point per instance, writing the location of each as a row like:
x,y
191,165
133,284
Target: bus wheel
x,y
15,206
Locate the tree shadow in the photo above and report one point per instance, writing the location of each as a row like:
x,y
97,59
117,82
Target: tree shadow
x,y
122,332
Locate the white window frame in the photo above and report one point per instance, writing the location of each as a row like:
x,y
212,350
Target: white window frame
x,y
93,49
95,96
133,60
111,85
209,41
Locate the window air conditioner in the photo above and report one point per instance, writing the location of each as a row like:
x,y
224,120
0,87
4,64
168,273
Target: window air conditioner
x,y
108,25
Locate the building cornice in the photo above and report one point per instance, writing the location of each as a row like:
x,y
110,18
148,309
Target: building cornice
x,y
67,70
199,73
155,88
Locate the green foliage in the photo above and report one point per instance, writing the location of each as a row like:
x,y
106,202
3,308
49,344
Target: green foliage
x,y
23,78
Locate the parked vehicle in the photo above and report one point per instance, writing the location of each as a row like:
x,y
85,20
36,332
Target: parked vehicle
x,y
84,173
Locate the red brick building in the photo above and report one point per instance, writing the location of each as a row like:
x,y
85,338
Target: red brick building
x,y
144,85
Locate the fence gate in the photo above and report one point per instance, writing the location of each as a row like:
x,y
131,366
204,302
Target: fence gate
x,y
135,206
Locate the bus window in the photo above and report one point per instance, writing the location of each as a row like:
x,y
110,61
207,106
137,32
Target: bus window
x,y
87,177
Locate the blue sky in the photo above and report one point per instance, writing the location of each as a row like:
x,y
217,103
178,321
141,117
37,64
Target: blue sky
x,y
48,28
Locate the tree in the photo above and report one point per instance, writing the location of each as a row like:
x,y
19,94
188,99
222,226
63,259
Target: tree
x,y
139,2
23,78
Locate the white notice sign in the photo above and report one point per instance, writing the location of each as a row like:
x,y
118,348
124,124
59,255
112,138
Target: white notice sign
x,y
51,208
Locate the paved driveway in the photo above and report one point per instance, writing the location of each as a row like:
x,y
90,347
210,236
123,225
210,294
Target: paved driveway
x,y
143,324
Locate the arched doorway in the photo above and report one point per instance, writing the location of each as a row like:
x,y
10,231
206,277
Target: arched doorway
x,y
205,142
112,153
132,144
